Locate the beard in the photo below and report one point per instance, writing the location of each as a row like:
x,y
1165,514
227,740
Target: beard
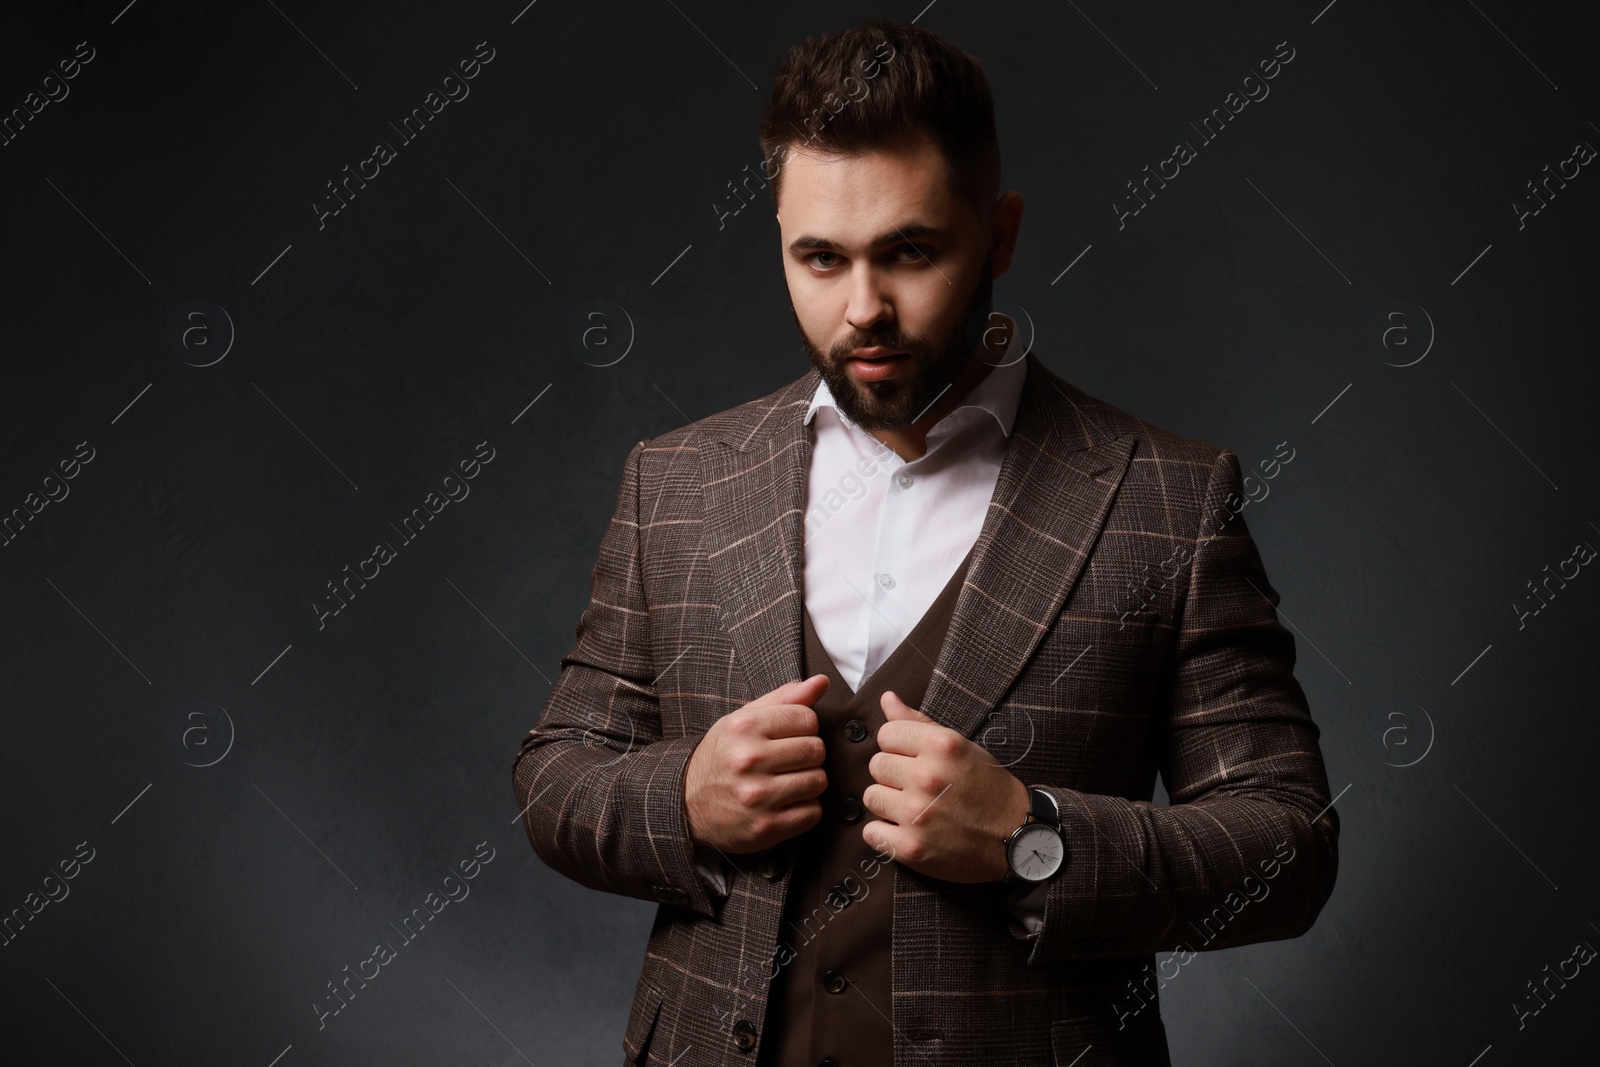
x,y
892,404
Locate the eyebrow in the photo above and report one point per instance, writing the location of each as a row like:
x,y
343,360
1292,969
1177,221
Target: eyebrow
x,y
908,232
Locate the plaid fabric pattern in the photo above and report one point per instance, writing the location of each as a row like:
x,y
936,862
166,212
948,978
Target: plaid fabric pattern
x,y
1115,623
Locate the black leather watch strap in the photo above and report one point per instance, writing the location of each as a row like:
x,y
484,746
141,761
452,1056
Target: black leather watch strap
x,y
1042,806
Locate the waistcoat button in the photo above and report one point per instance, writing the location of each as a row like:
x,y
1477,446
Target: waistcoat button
x,y
850,809
834,982
744,1035
855,729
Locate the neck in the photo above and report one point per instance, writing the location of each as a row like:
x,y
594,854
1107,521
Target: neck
x,y
911,442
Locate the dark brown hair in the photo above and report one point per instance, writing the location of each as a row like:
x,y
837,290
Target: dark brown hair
x,y
872,87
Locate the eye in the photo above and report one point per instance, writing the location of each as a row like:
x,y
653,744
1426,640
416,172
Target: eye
x,y
811,259
917,253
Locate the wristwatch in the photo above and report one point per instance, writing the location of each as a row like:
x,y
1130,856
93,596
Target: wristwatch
x,y
1035,851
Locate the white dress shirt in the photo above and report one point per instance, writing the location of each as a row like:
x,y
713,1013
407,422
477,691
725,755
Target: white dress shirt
x,y
884,535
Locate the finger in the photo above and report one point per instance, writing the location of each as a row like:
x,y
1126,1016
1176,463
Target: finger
x,y
797,787
804,691
894,708
890,769
884,838
886,803
788,720
905,737
799,753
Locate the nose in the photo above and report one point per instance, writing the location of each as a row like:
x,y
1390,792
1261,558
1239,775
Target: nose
x,y
869,302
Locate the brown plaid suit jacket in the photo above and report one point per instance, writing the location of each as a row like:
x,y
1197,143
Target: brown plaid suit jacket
x,y
1115,622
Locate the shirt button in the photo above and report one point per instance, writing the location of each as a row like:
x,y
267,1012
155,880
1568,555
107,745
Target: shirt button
x,y
850,809
855,730
886,580
833,982
744,1035
904,479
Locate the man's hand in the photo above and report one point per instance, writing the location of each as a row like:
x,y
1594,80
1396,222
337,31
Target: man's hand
x,y
945,806
754,778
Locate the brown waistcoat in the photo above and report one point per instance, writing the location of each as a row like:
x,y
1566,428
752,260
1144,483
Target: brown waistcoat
x,y
829,1005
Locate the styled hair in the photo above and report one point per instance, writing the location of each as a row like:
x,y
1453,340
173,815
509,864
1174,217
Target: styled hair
x,y
874,86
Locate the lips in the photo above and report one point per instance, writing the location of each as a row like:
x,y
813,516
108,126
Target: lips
x,y
875,354
876,364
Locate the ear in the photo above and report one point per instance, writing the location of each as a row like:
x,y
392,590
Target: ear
x,y
1005,224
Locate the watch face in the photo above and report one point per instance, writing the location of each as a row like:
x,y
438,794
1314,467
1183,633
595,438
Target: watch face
x,y
1036,852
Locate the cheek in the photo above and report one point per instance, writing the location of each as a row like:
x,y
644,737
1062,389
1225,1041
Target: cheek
x,y
804,288
926,308
816,323
820,308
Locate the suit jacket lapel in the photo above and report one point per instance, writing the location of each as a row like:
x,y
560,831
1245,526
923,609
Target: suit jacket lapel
x,y
754,482
1057,478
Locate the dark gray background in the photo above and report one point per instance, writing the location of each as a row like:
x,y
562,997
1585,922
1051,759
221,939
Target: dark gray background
x,y
369,357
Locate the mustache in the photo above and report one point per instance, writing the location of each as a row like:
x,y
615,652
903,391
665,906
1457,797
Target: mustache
x,y
913,346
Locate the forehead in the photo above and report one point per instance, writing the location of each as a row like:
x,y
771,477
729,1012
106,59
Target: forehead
x,y
850,198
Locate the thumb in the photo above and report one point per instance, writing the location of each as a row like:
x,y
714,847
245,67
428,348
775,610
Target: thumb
x,y
802,692
895,708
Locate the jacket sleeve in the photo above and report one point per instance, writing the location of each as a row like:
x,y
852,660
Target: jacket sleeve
x,y
1247,849
600,788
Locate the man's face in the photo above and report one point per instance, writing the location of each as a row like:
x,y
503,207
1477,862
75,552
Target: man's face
x,y
883,259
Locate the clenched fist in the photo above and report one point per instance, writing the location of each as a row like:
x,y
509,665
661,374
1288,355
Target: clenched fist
x,y
754,778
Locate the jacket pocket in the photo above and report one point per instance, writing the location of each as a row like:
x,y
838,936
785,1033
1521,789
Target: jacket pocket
x,y
1093,1039
1135,628
641,1020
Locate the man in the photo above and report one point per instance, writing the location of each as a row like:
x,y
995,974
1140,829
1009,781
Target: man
x,y
878,670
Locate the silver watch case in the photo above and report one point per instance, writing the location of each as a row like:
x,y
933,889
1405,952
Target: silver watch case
x,y
1036,851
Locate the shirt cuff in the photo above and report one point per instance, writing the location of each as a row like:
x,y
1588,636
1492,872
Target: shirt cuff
x,y
1027,904
708,861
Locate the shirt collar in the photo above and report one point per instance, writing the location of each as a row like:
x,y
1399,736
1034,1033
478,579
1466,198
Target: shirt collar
x,y
998,394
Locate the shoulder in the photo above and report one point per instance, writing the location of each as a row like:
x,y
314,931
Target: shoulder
x,y
737,426
1170,478
1102,420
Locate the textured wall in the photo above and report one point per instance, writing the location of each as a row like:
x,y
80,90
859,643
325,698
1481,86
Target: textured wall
x,y
225,384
